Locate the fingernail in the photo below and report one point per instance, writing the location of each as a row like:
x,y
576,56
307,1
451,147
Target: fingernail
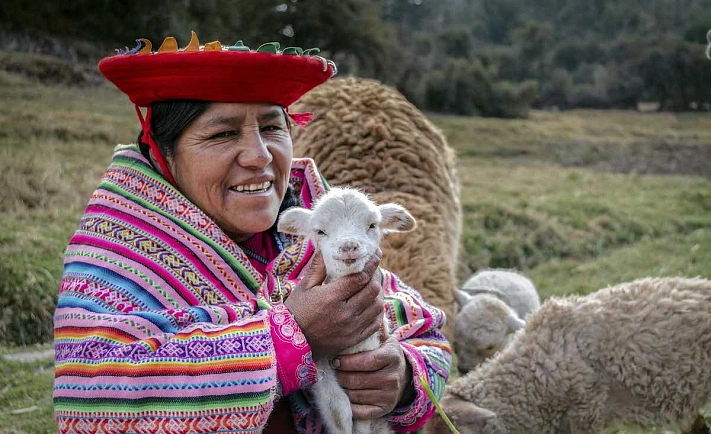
x,y
336,363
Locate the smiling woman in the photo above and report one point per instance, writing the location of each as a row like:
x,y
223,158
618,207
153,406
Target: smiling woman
x,y
233,162
182,309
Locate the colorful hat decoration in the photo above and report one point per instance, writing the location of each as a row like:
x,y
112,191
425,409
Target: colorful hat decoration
x,y
214,72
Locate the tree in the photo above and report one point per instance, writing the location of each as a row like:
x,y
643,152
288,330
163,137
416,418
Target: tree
x,y
534,40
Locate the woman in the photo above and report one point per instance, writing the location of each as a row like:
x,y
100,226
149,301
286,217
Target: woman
x,y
181,309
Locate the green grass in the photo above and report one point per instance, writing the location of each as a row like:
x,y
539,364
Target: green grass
x,y
529,216
55,143
681,254
547,195
26,386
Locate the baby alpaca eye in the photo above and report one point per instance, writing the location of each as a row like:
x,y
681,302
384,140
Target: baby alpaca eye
x,y
372,226
320,232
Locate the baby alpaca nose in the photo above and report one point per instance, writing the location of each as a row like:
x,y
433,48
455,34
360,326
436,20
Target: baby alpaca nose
x,y
349,247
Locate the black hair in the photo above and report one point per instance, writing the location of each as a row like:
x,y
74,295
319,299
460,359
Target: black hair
x,y
168,120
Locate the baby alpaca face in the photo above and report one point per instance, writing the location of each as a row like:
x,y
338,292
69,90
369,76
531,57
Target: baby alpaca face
x,y
347,232
346,227
483,326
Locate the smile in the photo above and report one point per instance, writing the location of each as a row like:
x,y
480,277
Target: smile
x,y
253,188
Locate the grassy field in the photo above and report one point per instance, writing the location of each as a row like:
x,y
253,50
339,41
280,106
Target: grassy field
x,y
577,200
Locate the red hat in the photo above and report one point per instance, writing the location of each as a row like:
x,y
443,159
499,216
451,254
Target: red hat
x,y
214,73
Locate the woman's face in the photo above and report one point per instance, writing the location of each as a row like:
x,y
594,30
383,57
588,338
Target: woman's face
x,y
233,162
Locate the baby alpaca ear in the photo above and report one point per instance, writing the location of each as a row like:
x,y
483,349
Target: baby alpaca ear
x,y
462,297
514,322
294,221
395,218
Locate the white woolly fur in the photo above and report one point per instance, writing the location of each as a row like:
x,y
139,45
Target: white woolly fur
x,y
639,352
346,227
493,305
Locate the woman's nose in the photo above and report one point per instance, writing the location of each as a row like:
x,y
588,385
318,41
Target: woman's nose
x,y
255,153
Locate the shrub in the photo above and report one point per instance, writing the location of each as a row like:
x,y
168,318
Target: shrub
x,y
557,91
26,304
467,87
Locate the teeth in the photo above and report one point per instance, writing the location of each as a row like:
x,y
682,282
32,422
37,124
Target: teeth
x,y
253,187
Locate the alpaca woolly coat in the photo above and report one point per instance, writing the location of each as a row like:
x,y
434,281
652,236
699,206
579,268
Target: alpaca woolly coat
x,y
639,352
368,136
515,289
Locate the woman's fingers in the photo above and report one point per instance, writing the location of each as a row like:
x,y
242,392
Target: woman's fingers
x,y
365,298
316,273
349,286
339,314
366,411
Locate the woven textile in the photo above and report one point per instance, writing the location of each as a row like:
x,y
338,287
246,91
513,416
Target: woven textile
x,y
163,325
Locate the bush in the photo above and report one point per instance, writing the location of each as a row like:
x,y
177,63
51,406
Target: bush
x,y
557,90
624,87
26,304
569,55
467,87
675,72
511,100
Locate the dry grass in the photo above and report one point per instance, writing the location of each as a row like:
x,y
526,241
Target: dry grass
x,y
622,141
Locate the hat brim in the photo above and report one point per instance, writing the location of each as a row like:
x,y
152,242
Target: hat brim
x,y
221,76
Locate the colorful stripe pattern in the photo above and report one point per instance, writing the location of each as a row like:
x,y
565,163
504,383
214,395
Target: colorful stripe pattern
x,y
163,326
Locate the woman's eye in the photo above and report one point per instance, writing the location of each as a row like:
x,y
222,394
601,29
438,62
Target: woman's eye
x,y
223,134
271,128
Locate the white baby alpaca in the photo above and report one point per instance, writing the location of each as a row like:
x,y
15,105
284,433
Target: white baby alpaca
x,y
493,304
346,227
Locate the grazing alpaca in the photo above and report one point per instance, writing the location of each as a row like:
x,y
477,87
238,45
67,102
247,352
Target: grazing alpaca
x,y
637,353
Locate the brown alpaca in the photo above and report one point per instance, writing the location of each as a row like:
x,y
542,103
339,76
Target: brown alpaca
x,y
368,136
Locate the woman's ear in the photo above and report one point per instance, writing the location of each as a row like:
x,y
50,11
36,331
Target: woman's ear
x,y
154,162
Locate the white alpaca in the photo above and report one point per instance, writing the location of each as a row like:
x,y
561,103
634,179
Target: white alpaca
x,y
493,304
346,227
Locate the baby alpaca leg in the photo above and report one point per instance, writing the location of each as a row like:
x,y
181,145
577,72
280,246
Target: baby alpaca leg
x,y
331,401
373,426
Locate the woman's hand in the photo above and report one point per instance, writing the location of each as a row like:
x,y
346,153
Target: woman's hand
x,y
376,381
339,314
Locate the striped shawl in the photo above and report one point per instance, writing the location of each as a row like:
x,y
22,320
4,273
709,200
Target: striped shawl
x,y
163,325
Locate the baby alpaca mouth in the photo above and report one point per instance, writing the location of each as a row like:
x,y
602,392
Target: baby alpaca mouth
x,y
349,261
